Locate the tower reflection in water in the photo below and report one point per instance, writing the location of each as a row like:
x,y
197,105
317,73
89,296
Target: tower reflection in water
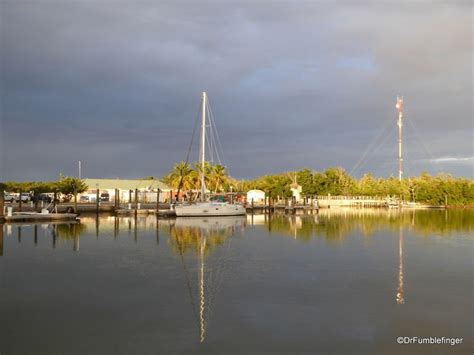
x,y
400,290
201,238
337,225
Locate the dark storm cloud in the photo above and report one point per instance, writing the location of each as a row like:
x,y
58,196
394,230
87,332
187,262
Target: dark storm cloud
x,y
117,85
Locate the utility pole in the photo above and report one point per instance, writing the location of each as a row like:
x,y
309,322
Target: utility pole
x,y
80,174
399,107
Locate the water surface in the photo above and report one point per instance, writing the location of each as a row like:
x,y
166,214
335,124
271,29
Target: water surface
x,y
341,282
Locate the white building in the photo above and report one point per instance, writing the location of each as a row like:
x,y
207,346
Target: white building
x,y
296,191
258,197
147,189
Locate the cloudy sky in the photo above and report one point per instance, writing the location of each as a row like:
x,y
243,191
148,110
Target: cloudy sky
x,y
117,85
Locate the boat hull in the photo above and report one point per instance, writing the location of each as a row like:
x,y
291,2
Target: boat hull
x,y
204,209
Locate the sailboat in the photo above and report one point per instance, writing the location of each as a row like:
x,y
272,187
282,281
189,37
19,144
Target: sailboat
x,y
207,208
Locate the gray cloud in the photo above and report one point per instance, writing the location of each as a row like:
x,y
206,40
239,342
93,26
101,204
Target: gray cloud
x,y
117,84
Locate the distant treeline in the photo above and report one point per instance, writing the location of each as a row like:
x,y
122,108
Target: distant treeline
x,y
435,190
336,181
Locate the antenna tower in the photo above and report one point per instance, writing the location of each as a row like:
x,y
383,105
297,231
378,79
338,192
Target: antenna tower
x,y
399,107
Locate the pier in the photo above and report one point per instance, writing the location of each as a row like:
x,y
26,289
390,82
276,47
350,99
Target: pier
x,y
313,204
354,201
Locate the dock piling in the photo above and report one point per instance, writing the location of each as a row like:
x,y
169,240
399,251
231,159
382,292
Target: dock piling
x,y
97,199
2,206
136,201
20,203
157,202
117,199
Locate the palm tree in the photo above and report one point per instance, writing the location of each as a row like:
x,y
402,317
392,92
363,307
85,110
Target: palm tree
x,y
207,174
180,177
184,177
218,178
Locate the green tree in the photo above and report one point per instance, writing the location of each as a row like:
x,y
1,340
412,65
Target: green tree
x,y
339,182
71,186
305,179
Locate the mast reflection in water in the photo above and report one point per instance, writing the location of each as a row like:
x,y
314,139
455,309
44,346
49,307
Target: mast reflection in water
x,y
202,236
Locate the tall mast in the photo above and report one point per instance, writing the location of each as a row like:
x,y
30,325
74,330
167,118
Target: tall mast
x,y
203,146
399,107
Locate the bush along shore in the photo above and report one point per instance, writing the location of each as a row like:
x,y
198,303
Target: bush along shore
x,y
442,189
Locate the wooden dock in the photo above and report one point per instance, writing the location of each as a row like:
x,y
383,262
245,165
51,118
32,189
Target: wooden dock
x,y
353,201
281,209
313,204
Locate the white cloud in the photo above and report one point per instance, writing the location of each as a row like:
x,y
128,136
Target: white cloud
x,y
460,160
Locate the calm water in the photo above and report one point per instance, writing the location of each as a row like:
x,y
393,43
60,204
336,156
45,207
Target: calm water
x,y
341,282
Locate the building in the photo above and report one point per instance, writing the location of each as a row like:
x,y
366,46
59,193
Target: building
x,y
258,197
147,190
296,191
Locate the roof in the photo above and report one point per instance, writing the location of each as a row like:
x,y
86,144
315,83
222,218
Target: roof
x,y
256,192
110,184
295,185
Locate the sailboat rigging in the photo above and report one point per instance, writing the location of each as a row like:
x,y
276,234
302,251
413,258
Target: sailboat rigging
x,y
204,207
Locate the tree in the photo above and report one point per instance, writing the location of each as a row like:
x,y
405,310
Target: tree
x,y
184,177
339,182
334,181
181,174
71,186
305,179
218,179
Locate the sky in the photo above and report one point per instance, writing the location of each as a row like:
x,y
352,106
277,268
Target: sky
x,y
117,85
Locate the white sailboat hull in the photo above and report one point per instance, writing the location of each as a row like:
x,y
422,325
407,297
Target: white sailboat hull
x,y
202,209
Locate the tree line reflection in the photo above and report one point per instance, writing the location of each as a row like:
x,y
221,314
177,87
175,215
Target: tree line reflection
x,y
333,225
336,225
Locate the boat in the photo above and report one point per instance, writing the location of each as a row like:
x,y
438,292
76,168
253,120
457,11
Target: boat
x,y
205,208
39,217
